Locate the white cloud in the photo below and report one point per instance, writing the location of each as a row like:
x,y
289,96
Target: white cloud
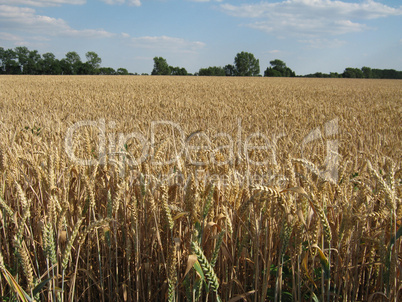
x,y
310,17
87,33
9,37
25,19
129,2
134,2
42,2
323,43
167,43
35,41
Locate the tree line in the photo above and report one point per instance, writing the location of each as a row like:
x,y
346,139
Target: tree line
x,y
363,73
21,60
245,64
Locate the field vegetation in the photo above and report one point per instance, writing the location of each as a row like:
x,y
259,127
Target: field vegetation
x,y
200,189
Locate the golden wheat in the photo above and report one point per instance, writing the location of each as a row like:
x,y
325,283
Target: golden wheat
x,y
109,184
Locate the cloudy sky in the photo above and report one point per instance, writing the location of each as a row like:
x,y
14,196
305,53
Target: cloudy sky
x,y
309,35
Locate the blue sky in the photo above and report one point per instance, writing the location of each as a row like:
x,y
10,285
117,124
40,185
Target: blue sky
x,y
309,35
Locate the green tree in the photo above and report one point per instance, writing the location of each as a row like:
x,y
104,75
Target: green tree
x,y
107,71
367,72
230,70
271,72
161,67
387,74
93,60
352,73
9,62
65,67
74,61
50,65
22,54
33,65
246,64
122,71
279,69
212,71
2,66
278,65
177,71
84,68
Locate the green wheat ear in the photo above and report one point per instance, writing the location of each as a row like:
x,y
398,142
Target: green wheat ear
x,y
67,251
166,209
208,202
49,245
206,267
217,248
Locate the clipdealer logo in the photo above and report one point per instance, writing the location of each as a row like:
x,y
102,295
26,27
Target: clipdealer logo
x,y
111,146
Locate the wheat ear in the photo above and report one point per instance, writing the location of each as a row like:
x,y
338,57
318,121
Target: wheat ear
x,y
206,267
166,209
6,208
25,260
67,251
217,248
49,246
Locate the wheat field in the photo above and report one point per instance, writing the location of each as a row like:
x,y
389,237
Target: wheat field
x,y
118,188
